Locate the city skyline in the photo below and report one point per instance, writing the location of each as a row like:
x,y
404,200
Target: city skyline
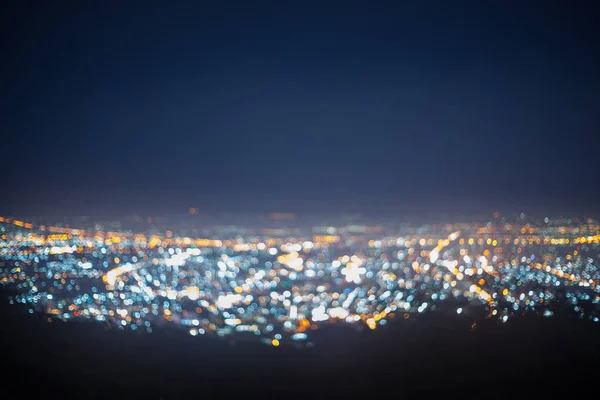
x,y
280,285
300,199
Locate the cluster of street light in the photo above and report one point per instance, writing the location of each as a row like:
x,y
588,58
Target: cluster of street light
x,y
279,289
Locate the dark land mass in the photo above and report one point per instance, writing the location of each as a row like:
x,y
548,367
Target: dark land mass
x,y
438,354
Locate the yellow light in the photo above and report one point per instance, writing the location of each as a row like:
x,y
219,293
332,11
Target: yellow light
x,y
371,323
505,291
275,342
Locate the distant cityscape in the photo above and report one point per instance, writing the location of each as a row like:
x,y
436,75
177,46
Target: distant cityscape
x,y
278,277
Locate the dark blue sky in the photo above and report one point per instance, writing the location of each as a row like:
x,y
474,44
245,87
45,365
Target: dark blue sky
x,y
267,106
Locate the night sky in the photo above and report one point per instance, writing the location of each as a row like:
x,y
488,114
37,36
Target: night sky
x,y
264,106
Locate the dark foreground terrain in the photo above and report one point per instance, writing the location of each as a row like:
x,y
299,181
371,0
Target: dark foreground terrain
x,y
436,355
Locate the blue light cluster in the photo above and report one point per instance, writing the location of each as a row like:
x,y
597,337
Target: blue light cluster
x,y
279,289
